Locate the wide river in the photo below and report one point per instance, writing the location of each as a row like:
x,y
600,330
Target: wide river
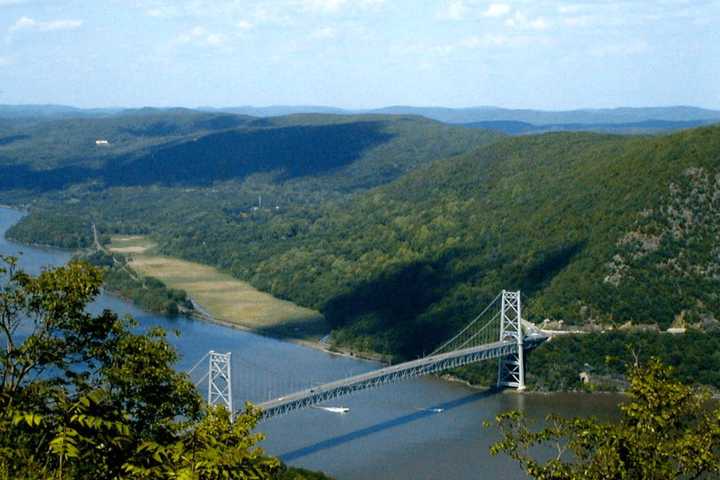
x,y
421,429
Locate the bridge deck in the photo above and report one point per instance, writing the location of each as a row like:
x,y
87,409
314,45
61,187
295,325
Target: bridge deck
x,y
392,374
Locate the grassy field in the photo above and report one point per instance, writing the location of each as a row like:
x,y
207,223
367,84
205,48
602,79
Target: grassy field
x,y
225,298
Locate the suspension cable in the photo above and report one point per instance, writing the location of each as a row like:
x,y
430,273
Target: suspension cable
x,y
197,364
202,379
482,329
468,326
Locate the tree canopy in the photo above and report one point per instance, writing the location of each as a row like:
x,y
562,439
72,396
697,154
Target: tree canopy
x,y
84,397
666,430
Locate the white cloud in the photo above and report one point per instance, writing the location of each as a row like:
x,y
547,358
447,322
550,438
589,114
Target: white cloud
x,y
326,33
636,47
523,22
569,9
578,21
264,14
200,36
486,41
453,10
161,12
245,25
334,6
324,5
495,10
27,23
477,42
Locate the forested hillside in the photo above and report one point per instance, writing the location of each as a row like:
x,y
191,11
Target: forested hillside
x,y
596,230
559,216
188,148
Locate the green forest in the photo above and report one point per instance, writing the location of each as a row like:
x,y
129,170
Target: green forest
x,y
400,229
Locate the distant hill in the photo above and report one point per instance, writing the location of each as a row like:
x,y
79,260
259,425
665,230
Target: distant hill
x,y
50,112
540,117
622,119
191,148
635,128
280,110
571,119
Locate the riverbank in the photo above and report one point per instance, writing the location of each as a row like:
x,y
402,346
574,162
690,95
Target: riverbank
x,y
21,209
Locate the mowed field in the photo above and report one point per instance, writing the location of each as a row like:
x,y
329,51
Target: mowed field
x,y
225,298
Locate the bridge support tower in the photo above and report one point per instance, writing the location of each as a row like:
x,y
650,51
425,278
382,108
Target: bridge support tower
x,y
511,368
220,381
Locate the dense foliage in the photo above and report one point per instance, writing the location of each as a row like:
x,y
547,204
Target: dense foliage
x,y
556,365
596,230
666,431
83,397
53,228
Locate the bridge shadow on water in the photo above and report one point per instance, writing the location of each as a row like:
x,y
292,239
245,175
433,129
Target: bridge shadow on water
x,y
386,425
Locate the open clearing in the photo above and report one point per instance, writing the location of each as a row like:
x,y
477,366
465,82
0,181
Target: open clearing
x,y
225,298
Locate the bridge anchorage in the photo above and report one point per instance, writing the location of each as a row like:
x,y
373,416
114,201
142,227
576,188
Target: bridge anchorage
x,y
505,336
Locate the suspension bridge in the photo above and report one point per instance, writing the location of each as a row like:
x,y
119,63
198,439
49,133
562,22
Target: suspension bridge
x,y
504,336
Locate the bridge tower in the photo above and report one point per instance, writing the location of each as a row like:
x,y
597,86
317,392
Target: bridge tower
x,y
220,381
511,368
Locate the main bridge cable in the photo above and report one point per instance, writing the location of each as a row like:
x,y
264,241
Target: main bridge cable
x,y
197,364
490,323
449,342
201,379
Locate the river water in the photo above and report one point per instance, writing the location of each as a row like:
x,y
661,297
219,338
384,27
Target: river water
x,y
421,429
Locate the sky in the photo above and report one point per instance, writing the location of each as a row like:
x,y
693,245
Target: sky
x,y
552,55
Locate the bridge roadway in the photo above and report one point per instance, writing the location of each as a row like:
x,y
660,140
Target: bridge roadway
x,y
395,373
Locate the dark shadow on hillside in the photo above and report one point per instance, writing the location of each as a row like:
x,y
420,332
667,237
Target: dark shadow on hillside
x,y
417,307
386,425
548,265
311,329
20,177
395,301
12,138
293,152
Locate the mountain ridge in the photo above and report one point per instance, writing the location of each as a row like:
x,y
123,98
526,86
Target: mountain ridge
x,y
590,116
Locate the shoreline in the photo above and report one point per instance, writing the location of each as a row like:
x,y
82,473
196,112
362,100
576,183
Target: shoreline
x,y
313,344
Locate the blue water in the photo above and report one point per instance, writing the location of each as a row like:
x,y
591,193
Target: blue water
x,y
394,432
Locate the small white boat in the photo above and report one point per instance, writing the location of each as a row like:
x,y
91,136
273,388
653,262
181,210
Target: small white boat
x,y
335,409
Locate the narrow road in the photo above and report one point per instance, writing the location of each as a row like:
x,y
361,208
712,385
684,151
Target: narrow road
x,y
100,248
96,240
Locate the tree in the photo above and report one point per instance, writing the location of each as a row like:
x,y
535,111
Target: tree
x,y
666,430
82,396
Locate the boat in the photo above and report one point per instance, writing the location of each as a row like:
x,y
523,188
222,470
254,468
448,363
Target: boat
x,y
335,409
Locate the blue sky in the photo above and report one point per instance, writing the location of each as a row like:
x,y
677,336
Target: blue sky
x,y
361,53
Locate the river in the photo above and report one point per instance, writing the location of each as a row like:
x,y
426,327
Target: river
x,y
421,429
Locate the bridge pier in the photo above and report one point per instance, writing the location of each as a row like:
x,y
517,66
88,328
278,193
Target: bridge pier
x,y
511,368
